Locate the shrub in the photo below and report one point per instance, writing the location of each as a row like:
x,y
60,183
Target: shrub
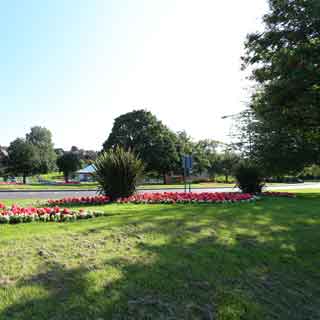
x,y
249,178
117,171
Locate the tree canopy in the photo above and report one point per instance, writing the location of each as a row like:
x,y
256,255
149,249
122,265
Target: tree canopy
x,y
141,132
68,163
285,60
22,158
41,139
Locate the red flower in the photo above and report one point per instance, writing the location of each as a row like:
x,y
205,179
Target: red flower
x,y
176,197
82,200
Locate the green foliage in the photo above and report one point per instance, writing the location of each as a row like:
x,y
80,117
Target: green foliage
x,y
285,63
311,172
118,172
141,132
202,151
249,178
22,158
254,261
41,139
32,155
3,161
68,163
225,164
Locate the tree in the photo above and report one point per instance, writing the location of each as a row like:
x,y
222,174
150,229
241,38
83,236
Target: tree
x,y
285,63
117,172
203,152
228,163
149,138
68,163
3,161
22,158
312,172
41,139
215,165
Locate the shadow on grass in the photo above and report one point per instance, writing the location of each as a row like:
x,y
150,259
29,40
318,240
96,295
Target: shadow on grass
x,y
252,264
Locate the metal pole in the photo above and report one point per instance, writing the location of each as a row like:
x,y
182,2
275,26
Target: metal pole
x,y
184,179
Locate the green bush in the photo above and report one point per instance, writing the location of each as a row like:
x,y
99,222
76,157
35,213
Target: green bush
x,y
249,178
117,172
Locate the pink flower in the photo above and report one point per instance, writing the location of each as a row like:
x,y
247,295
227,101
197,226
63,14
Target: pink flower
x,y
176,197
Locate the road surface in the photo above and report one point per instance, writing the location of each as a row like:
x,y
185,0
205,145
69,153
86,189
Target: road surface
x,y
72,193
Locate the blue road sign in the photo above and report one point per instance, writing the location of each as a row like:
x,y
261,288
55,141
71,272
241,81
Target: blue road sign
x,y
187,162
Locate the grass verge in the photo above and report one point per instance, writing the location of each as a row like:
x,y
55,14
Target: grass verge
x,y
240,261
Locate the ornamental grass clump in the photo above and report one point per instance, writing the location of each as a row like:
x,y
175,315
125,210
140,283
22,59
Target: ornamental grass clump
x,y
118,171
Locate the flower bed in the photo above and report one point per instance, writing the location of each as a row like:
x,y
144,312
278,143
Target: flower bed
x,y
279,194
177,197
10,183
17,214
95,200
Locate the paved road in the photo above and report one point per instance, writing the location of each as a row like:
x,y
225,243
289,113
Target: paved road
x,y
62,194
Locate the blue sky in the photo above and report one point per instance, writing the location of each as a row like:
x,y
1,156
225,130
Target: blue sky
x,y
73,66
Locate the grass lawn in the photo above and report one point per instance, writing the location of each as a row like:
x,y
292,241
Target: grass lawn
x,y
240,261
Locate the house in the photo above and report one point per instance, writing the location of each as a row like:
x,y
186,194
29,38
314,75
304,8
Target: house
x,y
86,174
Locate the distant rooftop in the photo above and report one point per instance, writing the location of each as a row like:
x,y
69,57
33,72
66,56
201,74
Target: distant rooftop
x,y
87,170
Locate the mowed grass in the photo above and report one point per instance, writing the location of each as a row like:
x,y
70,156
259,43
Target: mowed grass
x,y
240,261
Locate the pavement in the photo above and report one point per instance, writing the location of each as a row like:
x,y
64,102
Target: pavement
x,y
41,194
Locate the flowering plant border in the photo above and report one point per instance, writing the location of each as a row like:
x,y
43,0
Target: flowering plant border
x,y
188,197
16,214
90,200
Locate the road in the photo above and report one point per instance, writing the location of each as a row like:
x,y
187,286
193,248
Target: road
x,y
72,193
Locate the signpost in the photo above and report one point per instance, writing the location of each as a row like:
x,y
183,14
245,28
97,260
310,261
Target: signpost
x,y
187,163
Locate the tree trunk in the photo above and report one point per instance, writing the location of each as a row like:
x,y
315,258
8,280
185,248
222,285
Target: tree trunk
x,y
227,178
66,177
24,179
164,178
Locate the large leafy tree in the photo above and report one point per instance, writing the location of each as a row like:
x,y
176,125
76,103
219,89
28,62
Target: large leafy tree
x,y
285,63
3,162
68,163
22,158
141,132
203,152
229,161
41,139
